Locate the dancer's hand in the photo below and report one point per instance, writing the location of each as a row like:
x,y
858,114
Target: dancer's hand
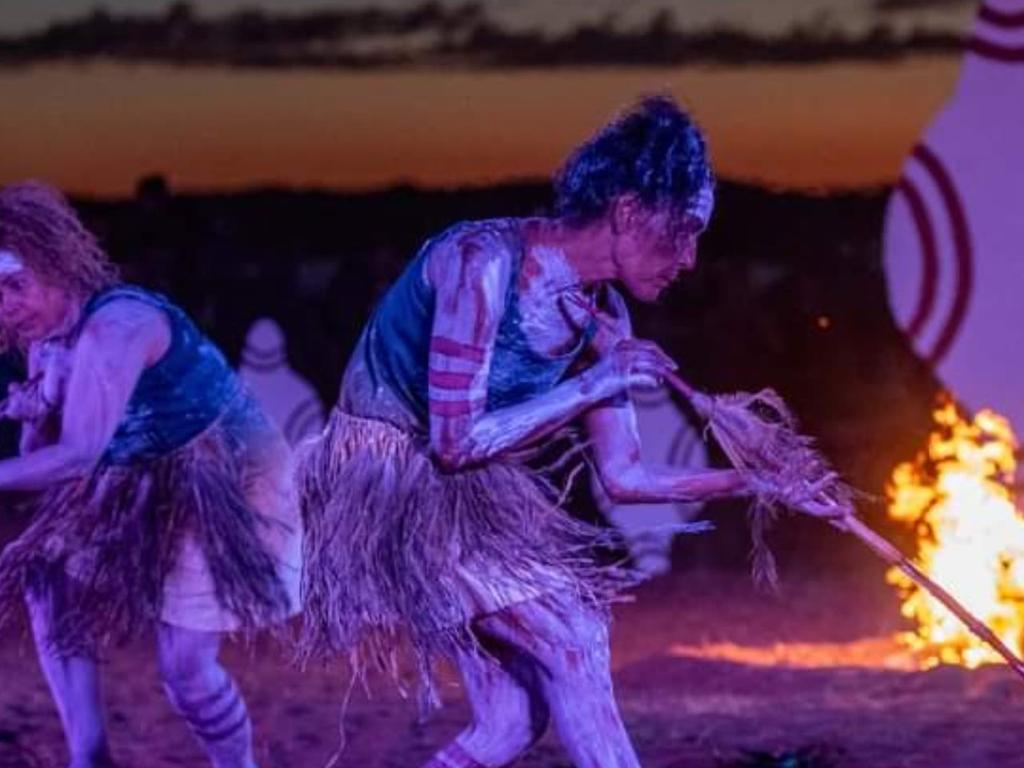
x,y
807,497
24,402
631,363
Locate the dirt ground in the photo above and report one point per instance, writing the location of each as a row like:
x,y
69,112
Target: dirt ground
x,y
709,673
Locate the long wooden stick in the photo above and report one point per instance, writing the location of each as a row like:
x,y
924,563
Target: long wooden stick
x,y
852,524
885,549
888,552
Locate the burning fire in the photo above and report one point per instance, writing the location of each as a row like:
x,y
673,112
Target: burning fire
x,y
958,499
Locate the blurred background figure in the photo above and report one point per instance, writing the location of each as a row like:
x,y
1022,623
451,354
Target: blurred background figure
x,y
953,230
12,369
289,400
667,437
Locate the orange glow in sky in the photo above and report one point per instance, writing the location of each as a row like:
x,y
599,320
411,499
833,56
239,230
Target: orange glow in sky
x,y
97,128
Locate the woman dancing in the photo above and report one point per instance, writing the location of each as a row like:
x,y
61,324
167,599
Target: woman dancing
x,y
425,524
164,495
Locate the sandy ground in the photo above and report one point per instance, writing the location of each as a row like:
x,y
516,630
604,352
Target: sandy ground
x,y
709,672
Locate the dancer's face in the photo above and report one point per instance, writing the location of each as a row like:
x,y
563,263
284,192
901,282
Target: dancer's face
x,y
654,245
30,308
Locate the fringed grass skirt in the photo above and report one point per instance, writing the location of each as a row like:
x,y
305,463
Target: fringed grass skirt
x,y
207,537
398,550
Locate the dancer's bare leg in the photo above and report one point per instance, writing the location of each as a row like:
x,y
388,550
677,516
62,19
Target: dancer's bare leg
x,y
205,695
509,712
570,644
73,681
550,657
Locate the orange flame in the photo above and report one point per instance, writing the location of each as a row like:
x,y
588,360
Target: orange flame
x,y
957,498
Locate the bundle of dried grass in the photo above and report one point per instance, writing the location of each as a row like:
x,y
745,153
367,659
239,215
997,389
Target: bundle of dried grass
x,y
759,435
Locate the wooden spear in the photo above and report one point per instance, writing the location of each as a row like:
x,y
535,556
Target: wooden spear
x,y
884,549
758,434
729,425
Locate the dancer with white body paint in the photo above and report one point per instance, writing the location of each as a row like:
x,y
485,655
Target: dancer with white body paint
x,y
424,522
164,495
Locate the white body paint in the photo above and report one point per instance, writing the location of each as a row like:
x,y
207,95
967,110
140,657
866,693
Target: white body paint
x,y
88,377
667,438
10,262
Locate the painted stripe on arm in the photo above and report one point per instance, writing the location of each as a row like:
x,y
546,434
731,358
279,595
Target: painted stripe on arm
x,y
442,345
454,409
450,380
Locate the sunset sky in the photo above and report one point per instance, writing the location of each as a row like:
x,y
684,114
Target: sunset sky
x,y
96,127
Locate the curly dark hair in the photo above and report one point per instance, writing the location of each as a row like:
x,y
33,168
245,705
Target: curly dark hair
x,y
654,150
39,225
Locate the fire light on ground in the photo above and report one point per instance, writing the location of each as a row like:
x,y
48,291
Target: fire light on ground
x,y
957,497
868,653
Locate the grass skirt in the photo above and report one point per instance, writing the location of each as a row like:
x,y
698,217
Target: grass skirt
x,y
397,550
118,533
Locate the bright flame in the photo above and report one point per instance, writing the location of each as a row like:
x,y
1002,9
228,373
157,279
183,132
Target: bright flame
x,y
957,498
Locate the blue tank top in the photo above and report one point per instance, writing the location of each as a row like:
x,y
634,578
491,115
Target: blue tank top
x,y
395,345
176,398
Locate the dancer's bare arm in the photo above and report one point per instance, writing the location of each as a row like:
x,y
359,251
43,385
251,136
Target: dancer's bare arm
x,y
115,347
470,274
612,429
36,401
626,478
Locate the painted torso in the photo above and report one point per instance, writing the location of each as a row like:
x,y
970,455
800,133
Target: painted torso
x,y
534,346
176,398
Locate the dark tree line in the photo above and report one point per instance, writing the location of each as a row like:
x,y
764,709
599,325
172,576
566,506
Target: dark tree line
x,y
462,35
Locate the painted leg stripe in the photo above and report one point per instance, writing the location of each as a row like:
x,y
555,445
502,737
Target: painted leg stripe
x,y
202,720
228,731
209,700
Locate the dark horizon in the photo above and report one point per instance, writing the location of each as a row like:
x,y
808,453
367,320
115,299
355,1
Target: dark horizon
x,y
451,93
